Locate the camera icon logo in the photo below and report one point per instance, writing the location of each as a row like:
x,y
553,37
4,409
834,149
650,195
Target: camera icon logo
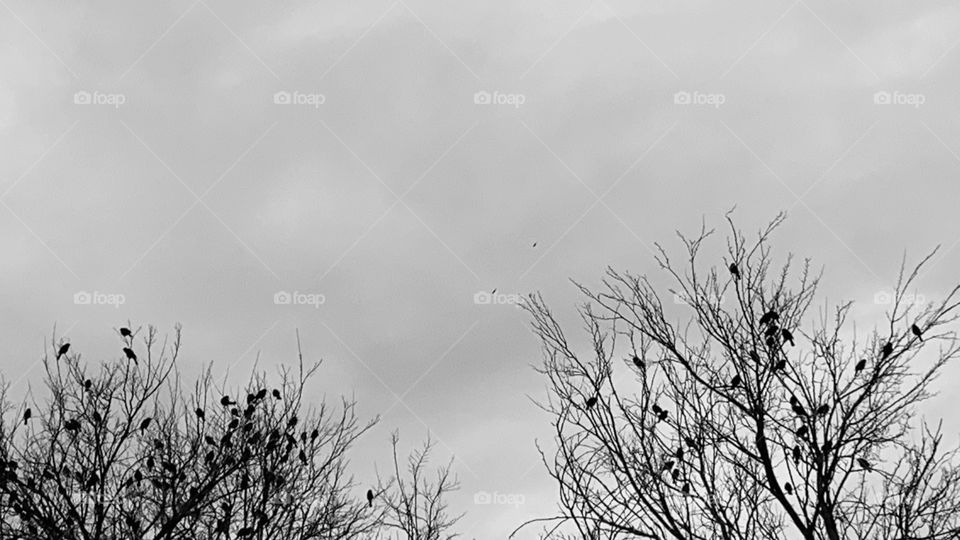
x,y
82,298
282,98
82,98
482,497
682,98
882,98
282,298
482,98
482,298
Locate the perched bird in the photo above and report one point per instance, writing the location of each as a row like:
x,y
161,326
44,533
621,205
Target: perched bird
x,y
788,488
262,393
87,384
233,424
827,447
125,332
292,422
226,402
690,442
916,331
787,336
637,361
591,402
675,474
771,342
781,365
802,432
769,317
734,271
887,350
656,409
145,424
370,498
735,381
686,488
754,356
26,415
860,365
209,440
799,410
794,401
864,464
663,414
200,414
63,350
796,454
71,425
276,394
130,354
823,410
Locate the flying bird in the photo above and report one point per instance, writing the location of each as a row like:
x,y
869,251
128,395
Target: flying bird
x,y
860,365
787,336
887,350
370,498
769,317
916,331
130,354
26,415
734,271
125,332
591,402
63,350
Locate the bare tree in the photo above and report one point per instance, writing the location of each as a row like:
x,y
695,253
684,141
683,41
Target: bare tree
x,y
754,419
118,450
416,506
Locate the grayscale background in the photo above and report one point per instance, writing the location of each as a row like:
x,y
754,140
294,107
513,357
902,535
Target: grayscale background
x,y
188,161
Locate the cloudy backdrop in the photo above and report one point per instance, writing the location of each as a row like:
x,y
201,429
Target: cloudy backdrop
x,y
388,160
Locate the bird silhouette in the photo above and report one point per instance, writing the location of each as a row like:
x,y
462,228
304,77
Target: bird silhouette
x,y
686,488
860,365
26,415
827,447
663,414
130,354
864,464
780,366
734,270
145,424
787,336
802,431
226,402
125,332
916,331
769,317
887,350
591,402
754,356
262,393
823,410
675,474
63,350
637,361
200,414
735,381
796,454
71,425
276,394
534,244
788,488
370,498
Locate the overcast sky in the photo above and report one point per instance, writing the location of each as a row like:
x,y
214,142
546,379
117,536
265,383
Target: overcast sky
x,y
391,159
